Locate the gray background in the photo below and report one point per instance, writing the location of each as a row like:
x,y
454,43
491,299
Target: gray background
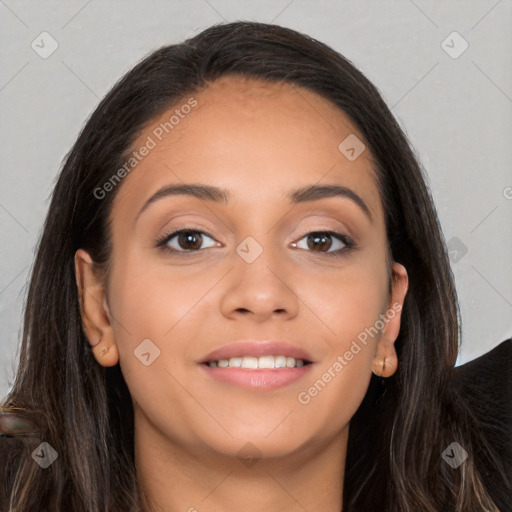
x,y
456,112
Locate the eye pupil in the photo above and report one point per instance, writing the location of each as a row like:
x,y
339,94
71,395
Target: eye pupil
x,y
319,240
187,237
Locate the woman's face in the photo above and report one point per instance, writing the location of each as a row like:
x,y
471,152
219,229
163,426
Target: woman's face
x,y
258,267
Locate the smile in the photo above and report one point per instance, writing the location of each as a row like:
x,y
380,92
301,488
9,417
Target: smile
x,y
254,363
256,373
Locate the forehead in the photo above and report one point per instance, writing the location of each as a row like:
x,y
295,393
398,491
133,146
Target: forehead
x,y
257,138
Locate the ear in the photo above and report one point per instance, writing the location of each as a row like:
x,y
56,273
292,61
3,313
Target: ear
x,y
94,311
385,362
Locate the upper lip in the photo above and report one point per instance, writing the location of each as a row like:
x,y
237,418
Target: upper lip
x,y
258,349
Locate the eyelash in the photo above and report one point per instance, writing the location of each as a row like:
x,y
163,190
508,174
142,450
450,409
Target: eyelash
x,y
161,243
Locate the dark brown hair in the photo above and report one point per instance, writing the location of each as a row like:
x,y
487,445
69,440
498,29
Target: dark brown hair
x,y
84,410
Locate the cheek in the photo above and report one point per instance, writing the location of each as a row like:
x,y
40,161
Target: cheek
x,y
350,304
333,395
167,306
348,301
149,298
155,319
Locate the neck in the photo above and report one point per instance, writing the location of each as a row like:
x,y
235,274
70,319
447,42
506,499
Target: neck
x,y
173,478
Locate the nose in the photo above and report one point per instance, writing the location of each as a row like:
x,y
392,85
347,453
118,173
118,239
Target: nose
x,y
261,290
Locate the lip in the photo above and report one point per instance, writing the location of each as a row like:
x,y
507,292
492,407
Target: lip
x,y
258,349
261,379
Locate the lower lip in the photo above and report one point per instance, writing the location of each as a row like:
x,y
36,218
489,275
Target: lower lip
x,y
264,379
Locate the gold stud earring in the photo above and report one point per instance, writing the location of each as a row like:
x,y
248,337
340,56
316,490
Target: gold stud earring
x,y
379,367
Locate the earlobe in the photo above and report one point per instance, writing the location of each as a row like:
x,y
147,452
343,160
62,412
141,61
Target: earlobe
x,y
94,311
106,355
385,362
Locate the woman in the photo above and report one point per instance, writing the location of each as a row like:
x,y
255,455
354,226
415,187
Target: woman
x,y
242,298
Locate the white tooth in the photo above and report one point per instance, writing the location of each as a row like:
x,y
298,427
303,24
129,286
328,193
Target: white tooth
x,y
250,362
266,362
280,362
254,363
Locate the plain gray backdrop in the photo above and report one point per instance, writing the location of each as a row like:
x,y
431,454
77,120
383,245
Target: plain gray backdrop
x,y
443,68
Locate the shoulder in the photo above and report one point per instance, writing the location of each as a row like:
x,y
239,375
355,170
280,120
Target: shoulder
x,y
488,370
484,385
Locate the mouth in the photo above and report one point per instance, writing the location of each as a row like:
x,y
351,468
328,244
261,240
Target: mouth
x,y
264,365
258,363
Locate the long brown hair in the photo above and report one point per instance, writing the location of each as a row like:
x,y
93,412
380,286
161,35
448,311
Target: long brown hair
x,y
84,410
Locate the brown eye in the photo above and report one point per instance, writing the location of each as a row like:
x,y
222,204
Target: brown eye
x,y
189,240
185,240
320,241
323,242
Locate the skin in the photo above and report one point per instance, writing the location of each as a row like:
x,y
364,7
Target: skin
x,y
259,140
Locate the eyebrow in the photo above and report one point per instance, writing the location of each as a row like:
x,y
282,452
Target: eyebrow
x,y
220,195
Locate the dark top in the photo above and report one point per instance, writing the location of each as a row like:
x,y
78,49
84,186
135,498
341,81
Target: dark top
x,y
486,385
